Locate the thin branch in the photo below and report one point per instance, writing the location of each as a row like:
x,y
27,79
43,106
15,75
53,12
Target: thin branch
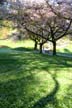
x,y
65,31
39,35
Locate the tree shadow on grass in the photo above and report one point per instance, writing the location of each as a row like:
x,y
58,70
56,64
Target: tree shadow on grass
x,y
14,91
17,93
6,48
23,49
8,63
50,98
18,81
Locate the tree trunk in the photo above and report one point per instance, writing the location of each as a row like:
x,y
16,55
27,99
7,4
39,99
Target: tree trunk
x,y
54,48
40,48
35,46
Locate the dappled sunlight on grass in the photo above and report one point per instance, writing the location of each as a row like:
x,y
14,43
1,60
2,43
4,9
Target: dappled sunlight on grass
x,y
33,80
20,45
29,80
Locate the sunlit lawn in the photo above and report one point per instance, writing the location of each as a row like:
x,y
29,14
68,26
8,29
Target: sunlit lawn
x,y
30,44
14,44
30,80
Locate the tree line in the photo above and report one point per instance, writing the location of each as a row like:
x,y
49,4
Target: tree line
x,y
42,22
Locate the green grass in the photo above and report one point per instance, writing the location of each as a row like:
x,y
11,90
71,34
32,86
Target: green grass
x,y
30,44
29,80
15,44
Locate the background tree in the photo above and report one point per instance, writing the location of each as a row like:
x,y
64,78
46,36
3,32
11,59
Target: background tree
x,y
43,22
51,27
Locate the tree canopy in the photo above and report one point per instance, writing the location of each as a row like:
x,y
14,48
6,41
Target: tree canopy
x,y
46,20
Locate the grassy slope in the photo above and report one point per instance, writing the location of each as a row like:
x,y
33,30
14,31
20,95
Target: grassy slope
x,y
30,44
31,80
11,44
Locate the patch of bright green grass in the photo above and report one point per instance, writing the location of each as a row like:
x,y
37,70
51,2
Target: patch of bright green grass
x,y
29,80
30,44
15,44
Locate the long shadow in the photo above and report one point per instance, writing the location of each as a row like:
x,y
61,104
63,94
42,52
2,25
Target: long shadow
x,y
16,83
18,76
23,49
9,64
6,48
50,98
38,61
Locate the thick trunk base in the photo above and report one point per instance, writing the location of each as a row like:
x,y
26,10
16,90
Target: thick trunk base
x,y
40,48
35,46
54,48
